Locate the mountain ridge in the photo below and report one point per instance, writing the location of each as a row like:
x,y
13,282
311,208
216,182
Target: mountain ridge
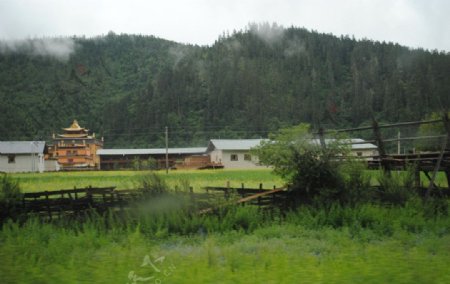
x,y
129,87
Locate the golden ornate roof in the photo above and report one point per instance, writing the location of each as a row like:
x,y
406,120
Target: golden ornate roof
x,y
76,135
75,127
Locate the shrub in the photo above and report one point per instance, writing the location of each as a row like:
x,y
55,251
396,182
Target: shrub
x,y
432,129
10,196
397,189
356,187
312,170
152,183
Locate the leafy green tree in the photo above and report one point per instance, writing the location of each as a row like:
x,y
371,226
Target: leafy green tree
x,y
432,129
311,169
137,164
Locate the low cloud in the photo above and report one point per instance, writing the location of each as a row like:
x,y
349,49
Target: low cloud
x,y
178,53
233,45
58,48
269,33
294,47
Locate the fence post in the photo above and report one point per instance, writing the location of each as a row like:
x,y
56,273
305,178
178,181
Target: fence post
x,y
89,197
437,167
322,139
227,191
446,122
417,177
191,193
24,206
48,205
380,144
273,196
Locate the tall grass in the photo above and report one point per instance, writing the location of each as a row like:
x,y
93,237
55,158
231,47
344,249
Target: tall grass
x,y
368,243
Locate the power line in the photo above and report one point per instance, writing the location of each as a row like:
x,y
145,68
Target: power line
x,y
144,133
159,129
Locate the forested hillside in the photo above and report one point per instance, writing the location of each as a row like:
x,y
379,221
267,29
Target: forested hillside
x,y
129,87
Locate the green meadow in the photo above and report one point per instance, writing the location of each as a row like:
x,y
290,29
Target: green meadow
x,y
31,182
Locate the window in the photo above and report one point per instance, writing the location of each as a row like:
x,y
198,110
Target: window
x,y
11,159
359,154
233,157
247,157
70,161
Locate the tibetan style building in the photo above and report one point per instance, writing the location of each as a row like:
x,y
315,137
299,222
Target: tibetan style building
x,y
76,149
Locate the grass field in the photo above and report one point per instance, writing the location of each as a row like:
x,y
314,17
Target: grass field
x,y
31,182
130,179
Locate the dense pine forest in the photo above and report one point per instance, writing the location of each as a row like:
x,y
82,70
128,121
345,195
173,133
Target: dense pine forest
x,y
127,88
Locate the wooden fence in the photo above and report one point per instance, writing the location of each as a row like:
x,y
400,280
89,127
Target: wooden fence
x,y
75,201
428,162
68,202
272,197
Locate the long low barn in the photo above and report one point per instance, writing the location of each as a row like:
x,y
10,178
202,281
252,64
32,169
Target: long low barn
x,y
227,153
132,158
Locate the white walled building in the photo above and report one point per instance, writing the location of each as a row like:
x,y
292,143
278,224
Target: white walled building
x,y
358,147
234,153
24,156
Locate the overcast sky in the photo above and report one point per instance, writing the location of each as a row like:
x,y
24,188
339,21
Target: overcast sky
x,y
415,23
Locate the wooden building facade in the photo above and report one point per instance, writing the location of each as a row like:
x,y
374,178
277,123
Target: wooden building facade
x,y
75,149
155,158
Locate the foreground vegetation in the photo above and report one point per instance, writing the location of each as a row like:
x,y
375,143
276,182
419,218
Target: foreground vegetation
x,y
365,244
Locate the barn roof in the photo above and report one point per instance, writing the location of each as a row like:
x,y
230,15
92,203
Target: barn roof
x,y
154,151
22,147
359,146
233,144
247,144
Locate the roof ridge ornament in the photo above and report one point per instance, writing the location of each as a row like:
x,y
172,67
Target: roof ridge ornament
x,y
75,124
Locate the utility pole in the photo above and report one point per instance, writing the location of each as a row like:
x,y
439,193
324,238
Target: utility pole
x,y
32,156
167,150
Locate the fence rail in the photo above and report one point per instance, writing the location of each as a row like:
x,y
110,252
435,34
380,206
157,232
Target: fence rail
x,y
54,204
390,125
426,162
